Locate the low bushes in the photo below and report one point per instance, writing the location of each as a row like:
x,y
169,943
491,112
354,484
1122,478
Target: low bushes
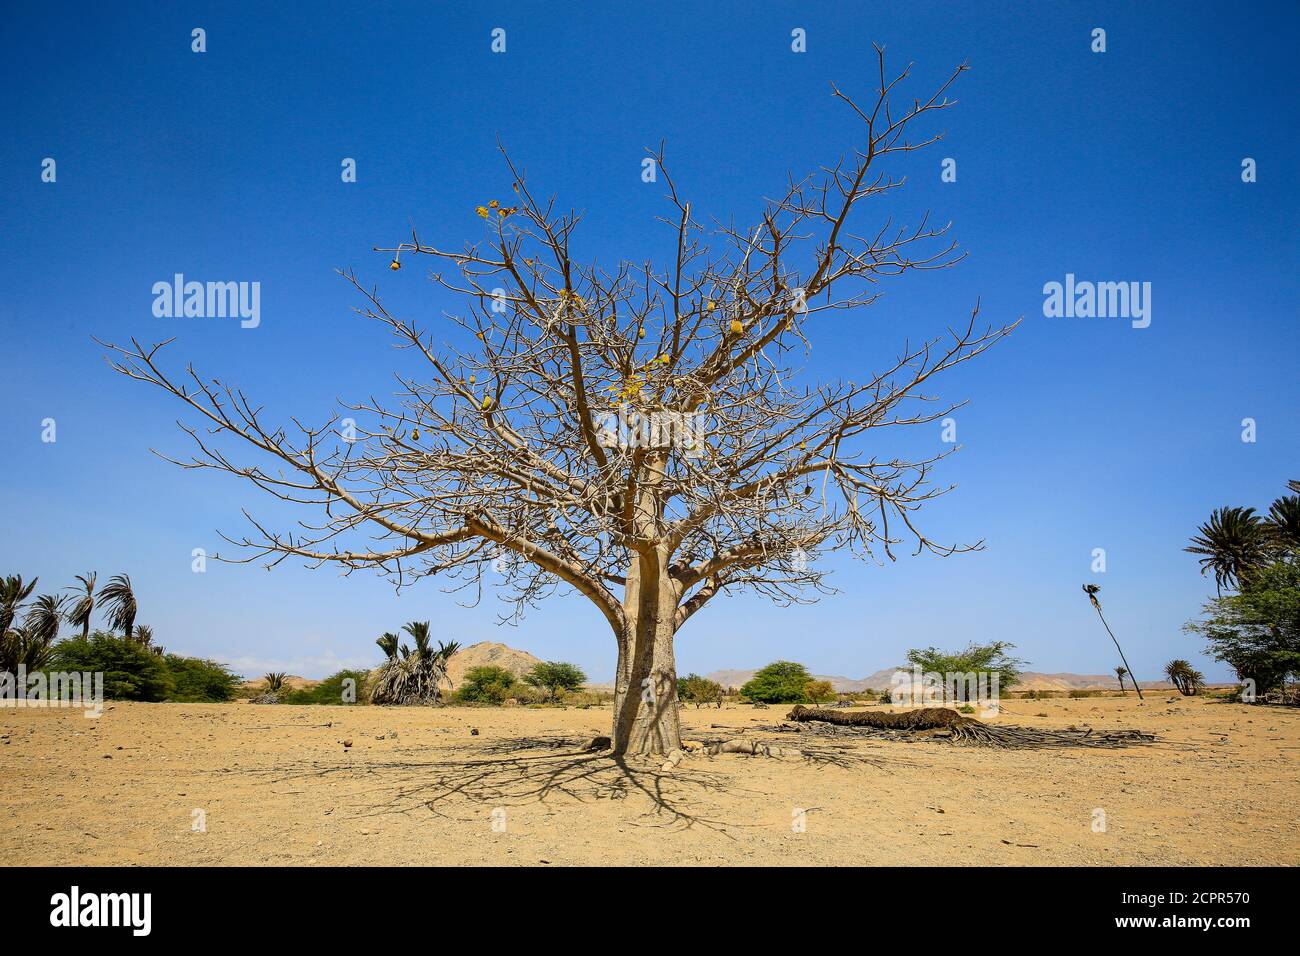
x,y
133,672
487,685
334,689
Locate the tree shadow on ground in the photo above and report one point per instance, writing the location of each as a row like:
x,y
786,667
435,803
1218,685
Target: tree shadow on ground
x,y
531,770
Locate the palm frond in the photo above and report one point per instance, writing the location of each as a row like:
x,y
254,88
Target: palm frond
x,y
45,616
13,592
388,644
1283,524
1232,543
118,599
420,632
83,608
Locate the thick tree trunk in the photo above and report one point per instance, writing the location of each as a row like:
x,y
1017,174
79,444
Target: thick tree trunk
x,y
645,685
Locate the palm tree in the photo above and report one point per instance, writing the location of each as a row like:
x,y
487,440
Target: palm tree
x,y
13,592
414,677
1120,672
1233,542
44,618
274,682
144,635
443,655
1091,590
1282,525
119,601
1186,678
420,632
21,647
388,644
84,608
40,629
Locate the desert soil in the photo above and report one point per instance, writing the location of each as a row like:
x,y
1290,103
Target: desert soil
x,y
240,783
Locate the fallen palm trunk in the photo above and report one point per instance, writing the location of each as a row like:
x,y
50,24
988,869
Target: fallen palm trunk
x,y
949,724
927,718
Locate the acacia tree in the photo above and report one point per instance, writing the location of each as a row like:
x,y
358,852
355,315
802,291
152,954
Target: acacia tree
x,y
497,456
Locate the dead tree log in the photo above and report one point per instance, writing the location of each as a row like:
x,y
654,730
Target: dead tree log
x,y
927,718
958,728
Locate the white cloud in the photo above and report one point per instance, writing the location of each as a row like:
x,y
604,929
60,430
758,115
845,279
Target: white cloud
x,y
312,666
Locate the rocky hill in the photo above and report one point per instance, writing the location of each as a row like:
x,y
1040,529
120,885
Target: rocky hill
x,y
486,653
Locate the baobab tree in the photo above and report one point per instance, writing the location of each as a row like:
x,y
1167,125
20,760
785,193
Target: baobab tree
x,y
637,435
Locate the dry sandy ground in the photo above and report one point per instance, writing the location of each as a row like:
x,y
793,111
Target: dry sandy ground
x,y
275,784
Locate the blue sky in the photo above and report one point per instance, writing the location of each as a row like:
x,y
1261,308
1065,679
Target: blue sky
x,y
1080,433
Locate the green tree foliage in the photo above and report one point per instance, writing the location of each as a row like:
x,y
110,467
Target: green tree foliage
x,y
1230,544
130,671
83,606
331,690
13,592
975,659
699,691
274,682
1185,677
195,680
412,677
133,672
555,676
1256,630
117,598
487,684
781,682
27,644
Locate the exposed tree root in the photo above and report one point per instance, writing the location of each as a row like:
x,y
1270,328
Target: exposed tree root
x,y
949,724
750,748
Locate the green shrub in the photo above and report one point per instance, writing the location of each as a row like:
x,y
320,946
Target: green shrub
x,y
820,691
130,671
331,690
488,684
781,682
974,659
584,698
195,680
697,690
555,676
133,672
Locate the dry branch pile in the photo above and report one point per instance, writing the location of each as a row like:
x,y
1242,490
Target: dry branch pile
x,y
948,724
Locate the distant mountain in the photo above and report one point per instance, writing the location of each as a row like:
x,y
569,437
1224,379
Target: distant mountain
x,y
1029,680
291,681
486,653
1032,680
520,663
737,678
